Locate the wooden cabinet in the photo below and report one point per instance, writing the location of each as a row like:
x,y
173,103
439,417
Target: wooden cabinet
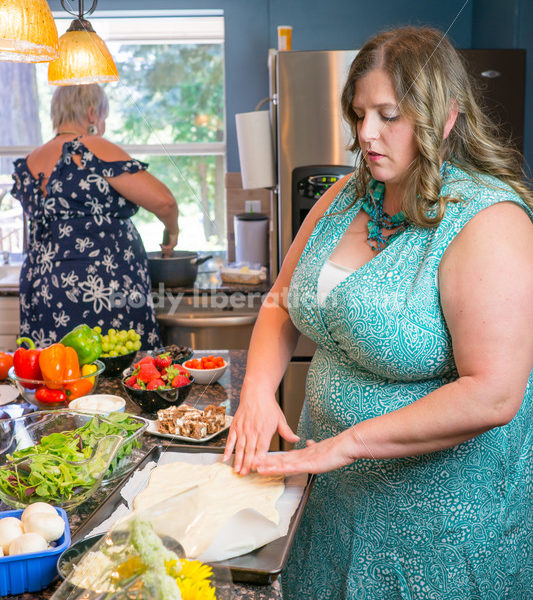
x,y
9,322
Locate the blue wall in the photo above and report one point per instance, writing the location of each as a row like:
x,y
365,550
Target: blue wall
x,y
251,29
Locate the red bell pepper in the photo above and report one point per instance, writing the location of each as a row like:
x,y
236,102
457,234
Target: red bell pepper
x,y
26,362
50,396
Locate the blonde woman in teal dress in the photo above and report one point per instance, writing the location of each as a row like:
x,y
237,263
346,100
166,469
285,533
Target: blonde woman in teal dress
x,y
418,409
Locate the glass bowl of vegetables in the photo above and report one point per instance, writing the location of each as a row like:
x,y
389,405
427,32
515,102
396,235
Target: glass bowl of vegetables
x,y
63,456
57,394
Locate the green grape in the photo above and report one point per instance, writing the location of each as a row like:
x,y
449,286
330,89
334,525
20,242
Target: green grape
x,y
117,342
98,329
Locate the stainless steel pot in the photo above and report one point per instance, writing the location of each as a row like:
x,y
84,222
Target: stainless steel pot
x,y
178,270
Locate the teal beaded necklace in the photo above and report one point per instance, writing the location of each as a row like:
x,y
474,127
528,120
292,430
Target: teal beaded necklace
x,y
379,220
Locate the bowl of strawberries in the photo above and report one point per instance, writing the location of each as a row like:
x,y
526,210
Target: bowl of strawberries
x,y
155,382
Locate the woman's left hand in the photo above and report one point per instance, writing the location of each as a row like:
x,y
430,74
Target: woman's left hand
x,y
318,457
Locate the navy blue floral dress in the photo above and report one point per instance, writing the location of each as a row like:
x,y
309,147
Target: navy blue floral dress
x,y
86,262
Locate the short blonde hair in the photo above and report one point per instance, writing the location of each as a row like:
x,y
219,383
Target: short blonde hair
x,y
70,103
429,78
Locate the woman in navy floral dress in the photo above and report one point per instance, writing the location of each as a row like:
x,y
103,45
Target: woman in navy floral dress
x,y
86,262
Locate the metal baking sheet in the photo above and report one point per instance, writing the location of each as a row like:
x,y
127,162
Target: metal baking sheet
x,y
262,566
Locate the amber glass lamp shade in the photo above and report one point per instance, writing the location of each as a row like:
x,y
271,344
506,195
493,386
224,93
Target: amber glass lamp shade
x,y
28,32
83,58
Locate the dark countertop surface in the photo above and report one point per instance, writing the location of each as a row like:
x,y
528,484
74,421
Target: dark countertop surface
x,y
225,392
206,282
211,281
9,291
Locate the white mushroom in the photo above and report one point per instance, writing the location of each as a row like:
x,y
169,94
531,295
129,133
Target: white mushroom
x,y
27,543
10,528
50,527
38,507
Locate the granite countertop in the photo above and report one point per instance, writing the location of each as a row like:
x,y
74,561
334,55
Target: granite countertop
x,y
200,287
208,281
225,392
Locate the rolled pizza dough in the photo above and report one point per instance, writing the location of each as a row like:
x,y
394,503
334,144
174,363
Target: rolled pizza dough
x,y
216,493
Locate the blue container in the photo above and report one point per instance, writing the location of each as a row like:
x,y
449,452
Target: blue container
x,y
31,572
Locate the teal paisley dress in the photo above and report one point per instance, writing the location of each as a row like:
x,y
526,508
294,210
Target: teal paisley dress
x,y
451,525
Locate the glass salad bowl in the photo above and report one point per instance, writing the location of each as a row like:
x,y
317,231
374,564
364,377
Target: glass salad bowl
x,y
74,388
64,456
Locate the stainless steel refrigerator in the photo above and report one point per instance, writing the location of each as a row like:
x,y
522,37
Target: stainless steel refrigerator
x,y
311,138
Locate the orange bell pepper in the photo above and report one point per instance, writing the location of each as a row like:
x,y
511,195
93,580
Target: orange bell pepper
x,y
52,364
72,365
78,388
58,363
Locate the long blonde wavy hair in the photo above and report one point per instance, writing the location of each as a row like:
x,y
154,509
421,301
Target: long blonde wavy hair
x,y
429,78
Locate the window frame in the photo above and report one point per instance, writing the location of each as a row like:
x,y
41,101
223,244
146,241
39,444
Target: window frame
x,y
163,148
210,32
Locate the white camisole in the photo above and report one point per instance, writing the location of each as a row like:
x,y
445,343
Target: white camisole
x,y
330,276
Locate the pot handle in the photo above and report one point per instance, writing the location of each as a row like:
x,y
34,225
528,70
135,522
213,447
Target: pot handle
x,y
200,260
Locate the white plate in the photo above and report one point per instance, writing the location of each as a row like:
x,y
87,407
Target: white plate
x,y
8,394
152,428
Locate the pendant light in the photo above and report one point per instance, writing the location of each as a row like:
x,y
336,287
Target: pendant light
x,y
28,32
83,55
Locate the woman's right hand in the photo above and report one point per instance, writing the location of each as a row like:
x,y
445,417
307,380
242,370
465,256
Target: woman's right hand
x,y
170,241
252,428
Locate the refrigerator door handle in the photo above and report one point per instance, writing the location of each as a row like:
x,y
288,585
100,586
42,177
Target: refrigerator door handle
x,y
490,74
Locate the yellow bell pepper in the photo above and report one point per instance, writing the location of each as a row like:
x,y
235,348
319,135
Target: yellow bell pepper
x,y
87,370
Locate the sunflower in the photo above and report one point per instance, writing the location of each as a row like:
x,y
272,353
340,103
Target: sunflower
x,y
196,590
196,570
193,579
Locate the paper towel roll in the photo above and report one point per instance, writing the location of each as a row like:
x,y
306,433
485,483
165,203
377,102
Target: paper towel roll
x,y
256,155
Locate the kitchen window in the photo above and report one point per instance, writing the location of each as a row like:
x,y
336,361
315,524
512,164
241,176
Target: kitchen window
x,y
167,110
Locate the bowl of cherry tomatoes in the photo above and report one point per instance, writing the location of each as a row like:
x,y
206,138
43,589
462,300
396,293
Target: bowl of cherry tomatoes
x,y
207,369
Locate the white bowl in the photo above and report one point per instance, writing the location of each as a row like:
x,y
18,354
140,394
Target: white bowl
x,y
207,376
102,404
